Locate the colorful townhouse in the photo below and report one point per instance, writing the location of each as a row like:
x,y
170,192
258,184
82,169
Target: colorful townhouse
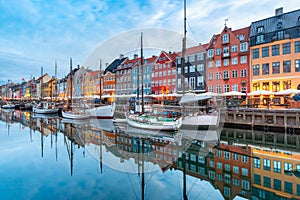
x,y
109,76
124,76
275,53
230,170
163,76
275,173
228,61
194,69
91,83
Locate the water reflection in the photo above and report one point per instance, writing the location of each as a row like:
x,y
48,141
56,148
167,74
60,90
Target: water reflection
x,y
186,164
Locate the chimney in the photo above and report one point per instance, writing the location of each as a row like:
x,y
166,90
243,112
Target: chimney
x,y
279,11
135,56
121,56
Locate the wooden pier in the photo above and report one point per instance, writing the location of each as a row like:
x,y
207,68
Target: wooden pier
x,y
275,120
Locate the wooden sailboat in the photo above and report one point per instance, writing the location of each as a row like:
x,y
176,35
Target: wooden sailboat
x,y
74,112
193,115
149,120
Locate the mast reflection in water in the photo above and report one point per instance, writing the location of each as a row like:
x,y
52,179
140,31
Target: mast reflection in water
x,y
44,157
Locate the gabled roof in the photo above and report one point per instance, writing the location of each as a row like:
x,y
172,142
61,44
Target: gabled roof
x,y
195,49
113,66
128,64
288,20
243,31
211,43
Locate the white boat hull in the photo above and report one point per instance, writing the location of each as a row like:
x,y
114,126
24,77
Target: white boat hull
x,y
8,106
72,115
45,111
102,112
166,126
202,121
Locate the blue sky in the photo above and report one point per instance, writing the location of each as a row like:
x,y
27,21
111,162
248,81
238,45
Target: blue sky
x,y
37,33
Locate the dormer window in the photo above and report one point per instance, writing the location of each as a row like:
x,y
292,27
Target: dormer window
x,y
279,25
225,38
260,29
241,37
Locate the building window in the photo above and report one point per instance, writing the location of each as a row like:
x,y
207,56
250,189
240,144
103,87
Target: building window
x,y
226,74
192,68
218,51
186,69
227,191
257,179
210,53
218,63
267,182
280,35
265,52
219,89
235,156
275,50
288,187
234,61
211,175
244,47
245,172
277,184
225,38
275,86
210,64
226,62
236,170
234,48
218,76
298,189
288,168
286,48
211,163
200,80
219,153
245,185
255,53
243,73
265,69
260,38
227,155
211,88
277,166
210,76
297,46
255,70
227,178
200,56
267,164
260,29
200,67
275,67
192,82
219,165
243,59
257,162
297,65
287,66
226,88
236,182
235,87
234,73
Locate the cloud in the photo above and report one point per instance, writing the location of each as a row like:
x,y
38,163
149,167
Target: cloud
x,y
57,30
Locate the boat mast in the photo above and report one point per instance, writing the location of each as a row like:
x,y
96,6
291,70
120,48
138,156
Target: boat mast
x,y
183,50
42,83
100,84
71,83
142,68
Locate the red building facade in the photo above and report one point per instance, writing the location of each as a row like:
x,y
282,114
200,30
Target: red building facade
x,y
163,77
228,61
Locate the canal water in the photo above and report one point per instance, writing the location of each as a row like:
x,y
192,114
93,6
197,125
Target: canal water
x,y
44,157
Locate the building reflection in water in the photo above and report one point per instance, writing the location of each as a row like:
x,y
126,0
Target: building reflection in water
x,y
253,165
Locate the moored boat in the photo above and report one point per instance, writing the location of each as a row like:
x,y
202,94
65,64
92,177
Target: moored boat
x,y
45,108
8,106
102,111
153,122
